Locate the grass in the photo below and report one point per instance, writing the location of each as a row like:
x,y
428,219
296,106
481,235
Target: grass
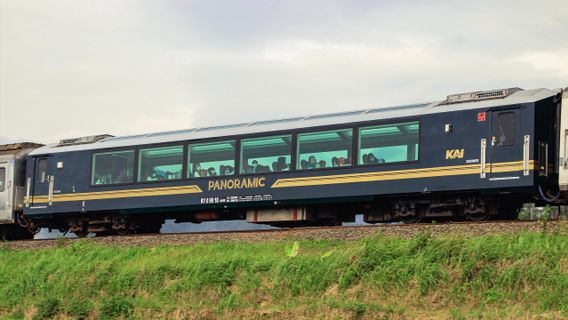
x,y
502,276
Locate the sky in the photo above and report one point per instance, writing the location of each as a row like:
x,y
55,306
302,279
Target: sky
x,y
77,68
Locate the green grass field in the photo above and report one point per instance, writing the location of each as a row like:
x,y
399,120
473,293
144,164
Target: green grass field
x,y
505,276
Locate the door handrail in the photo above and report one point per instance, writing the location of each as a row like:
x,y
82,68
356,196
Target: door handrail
x,y
526,154
483,159
50,192
28,188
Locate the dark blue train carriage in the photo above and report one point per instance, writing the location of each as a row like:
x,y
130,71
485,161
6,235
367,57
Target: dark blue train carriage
x,y
471,156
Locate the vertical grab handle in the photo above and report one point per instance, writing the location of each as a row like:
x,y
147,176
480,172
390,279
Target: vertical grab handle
x,y
50,193
526,154
28,187
9,197
565,164
482,157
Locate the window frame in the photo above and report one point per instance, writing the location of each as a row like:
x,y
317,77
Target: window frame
x,y
3,181
322,130
238,138
111,150
138,161
37,171
514,114
418,154
187,143
355,150
293,138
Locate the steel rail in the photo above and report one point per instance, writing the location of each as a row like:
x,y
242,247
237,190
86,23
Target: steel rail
x,y
288,230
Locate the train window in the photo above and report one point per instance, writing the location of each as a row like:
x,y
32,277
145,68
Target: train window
x,y
2,179
507,129
160,164
266,154
324,149
113,167
41,174
388,143
212,159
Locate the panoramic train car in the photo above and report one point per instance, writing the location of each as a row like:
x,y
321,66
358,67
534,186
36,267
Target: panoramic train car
x,y
472,156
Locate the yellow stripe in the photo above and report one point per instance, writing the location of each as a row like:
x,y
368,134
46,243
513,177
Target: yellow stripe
x,y
299,182
119,194
400,174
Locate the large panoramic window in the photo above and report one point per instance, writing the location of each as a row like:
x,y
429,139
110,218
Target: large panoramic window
x,y
266,154
160,164
113,167
325,149
212,159
388,143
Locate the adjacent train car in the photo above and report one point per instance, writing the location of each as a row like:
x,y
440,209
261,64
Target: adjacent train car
x,y
13,159
472,156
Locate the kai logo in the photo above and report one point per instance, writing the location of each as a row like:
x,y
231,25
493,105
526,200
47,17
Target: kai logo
x,y
454,154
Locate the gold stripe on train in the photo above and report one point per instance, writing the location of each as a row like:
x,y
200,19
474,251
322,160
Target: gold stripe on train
x,y
119,194
298,182
400,174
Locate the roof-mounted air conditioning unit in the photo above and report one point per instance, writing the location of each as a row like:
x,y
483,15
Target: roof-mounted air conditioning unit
x,y
479,96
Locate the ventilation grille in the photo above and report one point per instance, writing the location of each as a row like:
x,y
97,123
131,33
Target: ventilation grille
x,y
479,96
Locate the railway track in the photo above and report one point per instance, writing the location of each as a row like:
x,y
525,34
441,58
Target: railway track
x,y
304,233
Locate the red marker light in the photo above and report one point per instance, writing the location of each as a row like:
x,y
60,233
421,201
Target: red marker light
x,y
481,116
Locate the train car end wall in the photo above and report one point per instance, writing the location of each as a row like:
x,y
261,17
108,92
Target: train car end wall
x,y
563,163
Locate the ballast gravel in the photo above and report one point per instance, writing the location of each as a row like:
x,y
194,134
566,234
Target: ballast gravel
x,y
298,234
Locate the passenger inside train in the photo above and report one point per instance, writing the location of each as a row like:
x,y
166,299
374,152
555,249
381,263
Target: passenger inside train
x,y
313,163
372,159
315,150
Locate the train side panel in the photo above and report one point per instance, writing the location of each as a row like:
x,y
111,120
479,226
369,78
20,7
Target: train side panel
x,y
458,151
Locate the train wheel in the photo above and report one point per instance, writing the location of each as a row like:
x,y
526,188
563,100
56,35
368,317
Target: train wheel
x,y
478,209
121,225
33,228
82,233
407,212
479,216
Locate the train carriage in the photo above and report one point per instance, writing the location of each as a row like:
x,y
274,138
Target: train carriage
x,y
13,159
471,156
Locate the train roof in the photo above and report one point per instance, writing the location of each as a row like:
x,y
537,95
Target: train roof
x,y
464,101
19,146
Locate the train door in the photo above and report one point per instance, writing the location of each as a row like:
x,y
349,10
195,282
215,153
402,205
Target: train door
x,y
505,144
5,194
42,185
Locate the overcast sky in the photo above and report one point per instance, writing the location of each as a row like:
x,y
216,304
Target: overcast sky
x,y
75,68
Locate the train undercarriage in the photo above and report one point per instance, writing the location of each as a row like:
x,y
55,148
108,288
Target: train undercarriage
x,y
409,210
